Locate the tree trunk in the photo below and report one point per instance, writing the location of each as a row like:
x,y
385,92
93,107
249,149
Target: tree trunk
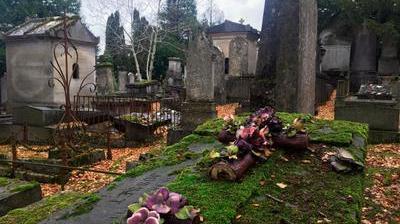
x,y
298,143
232,171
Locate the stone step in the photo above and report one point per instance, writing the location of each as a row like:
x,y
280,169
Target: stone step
x,y
40,177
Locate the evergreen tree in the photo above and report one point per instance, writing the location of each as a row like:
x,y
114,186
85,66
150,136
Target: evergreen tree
x,y
115,42
178,16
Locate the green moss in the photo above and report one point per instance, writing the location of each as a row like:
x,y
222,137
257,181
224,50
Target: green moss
x,y
310,191
339,133
3,182
84,206
41,210
171,155
25,187
213,127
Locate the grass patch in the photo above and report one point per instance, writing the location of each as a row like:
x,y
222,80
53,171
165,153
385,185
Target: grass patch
x,y
171,155
40,211
4,182
85,206
25,187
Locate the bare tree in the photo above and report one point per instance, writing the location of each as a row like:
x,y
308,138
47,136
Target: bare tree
x,y
146,42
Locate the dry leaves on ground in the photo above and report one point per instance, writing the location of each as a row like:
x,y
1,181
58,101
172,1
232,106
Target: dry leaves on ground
x,y
82,181
227,109
327,111
385,189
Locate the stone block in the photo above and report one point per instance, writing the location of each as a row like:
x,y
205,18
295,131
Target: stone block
x,y
196,113
18,194
380,115
37,116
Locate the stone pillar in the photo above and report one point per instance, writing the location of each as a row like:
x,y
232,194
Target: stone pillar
x,y
199,83
122,81
238,57
364,58
3,89
286,73
104,79
389,62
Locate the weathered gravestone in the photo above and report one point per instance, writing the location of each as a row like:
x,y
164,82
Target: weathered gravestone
x,y
364,58
238,57
287,56
389,62
204,82
122,81
104,79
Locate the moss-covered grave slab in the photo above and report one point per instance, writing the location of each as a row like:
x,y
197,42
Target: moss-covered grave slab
x,y
289,187
17,194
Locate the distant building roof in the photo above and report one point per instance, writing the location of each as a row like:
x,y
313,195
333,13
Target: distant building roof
x,y
49,26
232,27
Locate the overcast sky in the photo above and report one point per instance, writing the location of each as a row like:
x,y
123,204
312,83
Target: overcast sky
x,y
95,12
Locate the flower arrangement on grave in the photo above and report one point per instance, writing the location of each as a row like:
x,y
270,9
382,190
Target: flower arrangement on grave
x,y
253,141
163,206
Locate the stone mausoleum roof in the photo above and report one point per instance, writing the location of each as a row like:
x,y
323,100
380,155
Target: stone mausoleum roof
x,y
232,27
50,26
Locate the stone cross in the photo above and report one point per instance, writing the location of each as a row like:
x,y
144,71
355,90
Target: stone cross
x,y
238,57
287,56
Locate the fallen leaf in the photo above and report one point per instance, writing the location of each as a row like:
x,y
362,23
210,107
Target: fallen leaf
x,y
256,205
262,182
238,217
281,185
284,159
306,161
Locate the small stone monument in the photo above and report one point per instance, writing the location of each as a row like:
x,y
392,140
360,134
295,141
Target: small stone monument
x,y
122,81
104,79
204,82
389,62
238,57
286,71
363,62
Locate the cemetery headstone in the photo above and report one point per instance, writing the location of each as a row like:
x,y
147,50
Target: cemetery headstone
x,y
203,76
238,57
104,79
122,81
363,62
389,62
287,56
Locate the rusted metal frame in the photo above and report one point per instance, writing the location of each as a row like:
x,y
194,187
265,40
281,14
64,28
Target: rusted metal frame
x,y
60,166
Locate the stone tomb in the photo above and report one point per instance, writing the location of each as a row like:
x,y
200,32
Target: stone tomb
x,y
17,194
286,70
382,116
